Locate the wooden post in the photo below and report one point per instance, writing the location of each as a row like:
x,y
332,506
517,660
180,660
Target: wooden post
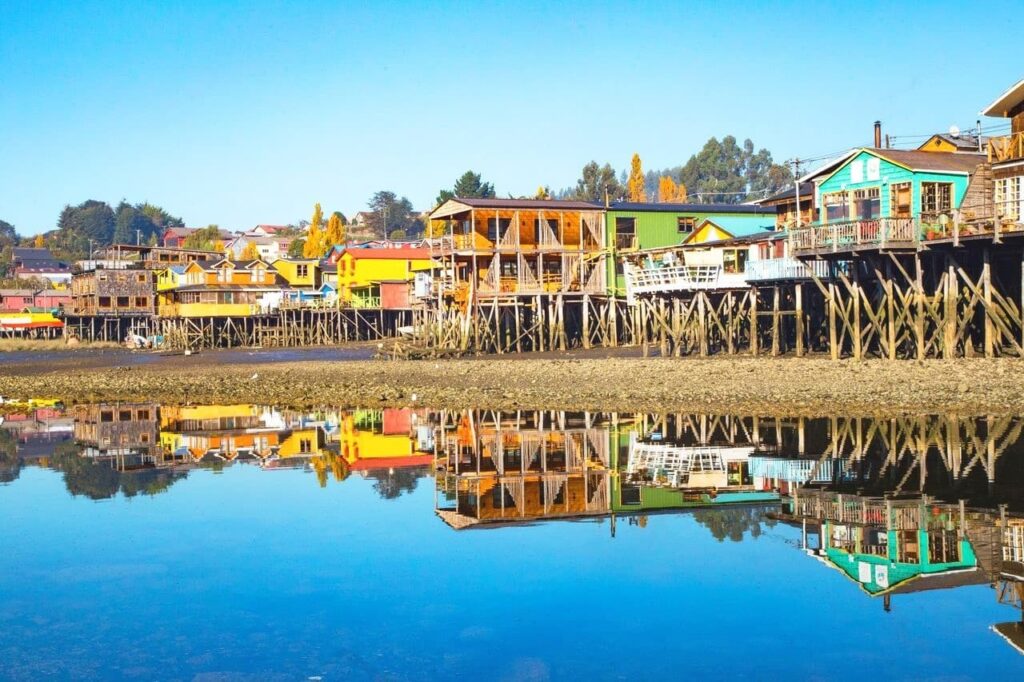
x,y
986,285
775,320
753,321
798,294
858,350
832,341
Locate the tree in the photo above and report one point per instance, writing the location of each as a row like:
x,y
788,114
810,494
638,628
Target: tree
x,y
206,238
39,242
635,185
669,192
469,185
725,172
296,248
250,252
543,192
315,237
390,213
335,230
90,221
596,183
8,240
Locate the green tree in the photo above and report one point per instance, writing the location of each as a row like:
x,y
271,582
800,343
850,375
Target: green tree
x,y
77,225
206,238
725,172
390,213
595,184
469,185
8,240
296,248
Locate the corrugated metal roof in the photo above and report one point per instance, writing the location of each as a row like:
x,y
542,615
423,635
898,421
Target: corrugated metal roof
x,y
914,159
692,208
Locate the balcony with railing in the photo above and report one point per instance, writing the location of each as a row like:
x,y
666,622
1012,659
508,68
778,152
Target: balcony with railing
x,y
777,269
1006,148
652,280
855,235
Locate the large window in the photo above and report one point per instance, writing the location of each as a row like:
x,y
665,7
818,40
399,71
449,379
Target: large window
x,y
936,197
1010,198
867,203
625,233
836,207
301,270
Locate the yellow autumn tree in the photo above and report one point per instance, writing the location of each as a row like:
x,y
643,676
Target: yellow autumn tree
x,y
635,185
542,193
669,192
40,241
250,252
314,235
335,232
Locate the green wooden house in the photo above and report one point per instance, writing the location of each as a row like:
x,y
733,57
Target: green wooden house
x,y
635,226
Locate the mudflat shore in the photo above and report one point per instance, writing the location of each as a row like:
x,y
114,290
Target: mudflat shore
x,y
789,386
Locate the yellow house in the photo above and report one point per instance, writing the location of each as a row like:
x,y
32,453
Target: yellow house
x,y
363,269
707,231
298,272
308,442
222,289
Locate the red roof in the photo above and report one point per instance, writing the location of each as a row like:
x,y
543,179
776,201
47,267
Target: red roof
x,y
401,253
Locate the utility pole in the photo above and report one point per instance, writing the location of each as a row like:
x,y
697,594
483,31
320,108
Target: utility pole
x,y
796,180
138,237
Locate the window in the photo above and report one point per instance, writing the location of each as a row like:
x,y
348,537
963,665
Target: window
x,y
122,301
836,208
141,278
936,197
141,301
857,171
874,169
223,275
899,200
104,302
685,225
509,268
625,233
1010,198
496,228
143,415
867,203
124,416
106,416
302,270
734,260
102,278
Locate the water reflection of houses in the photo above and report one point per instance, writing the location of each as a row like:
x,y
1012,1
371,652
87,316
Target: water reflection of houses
x,y
230,433
123,434
497,467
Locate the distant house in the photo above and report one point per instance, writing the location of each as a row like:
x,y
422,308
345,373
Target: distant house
x,y
39,263
361,219
174,237
946,142
113,292
16,300
268,248
268,230
784,202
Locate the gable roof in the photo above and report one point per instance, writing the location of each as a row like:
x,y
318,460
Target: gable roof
x,y
707,222
1006,102
460,205
959,163
753,209
806,191
964,142
24,253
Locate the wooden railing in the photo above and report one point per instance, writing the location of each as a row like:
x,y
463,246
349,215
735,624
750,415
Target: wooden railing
x,y
679,278
771,269
851,235
1006,148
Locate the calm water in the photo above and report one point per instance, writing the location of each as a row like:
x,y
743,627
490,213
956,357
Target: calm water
x,y
245,542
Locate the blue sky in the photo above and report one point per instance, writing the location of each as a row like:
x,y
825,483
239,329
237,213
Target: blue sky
x,y
249,112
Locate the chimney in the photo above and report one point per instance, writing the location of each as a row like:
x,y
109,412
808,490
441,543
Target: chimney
x,y
878,134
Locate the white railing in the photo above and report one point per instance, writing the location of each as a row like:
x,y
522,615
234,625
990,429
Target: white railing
x,y
679,278
785,268
855,234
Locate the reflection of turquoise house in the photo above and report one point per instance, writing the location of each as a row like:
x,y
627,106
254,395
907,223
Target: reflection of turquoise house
x,y
631,226
881,560
868,184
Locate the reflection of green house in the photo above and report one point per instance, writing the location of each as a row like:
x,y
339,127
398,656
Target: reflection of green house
x,y
628,496
882,561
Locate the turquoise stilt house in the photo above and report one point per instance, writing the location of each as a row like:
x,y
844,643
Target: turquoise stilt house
x,y
886,198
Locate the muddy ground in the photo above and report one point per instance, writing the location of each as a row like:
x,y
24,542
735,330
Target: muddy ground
x,y
809,386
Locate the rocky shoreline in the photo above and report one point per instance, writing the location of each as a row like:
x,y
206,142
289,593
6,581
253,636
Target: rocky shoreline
x,y
809,386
